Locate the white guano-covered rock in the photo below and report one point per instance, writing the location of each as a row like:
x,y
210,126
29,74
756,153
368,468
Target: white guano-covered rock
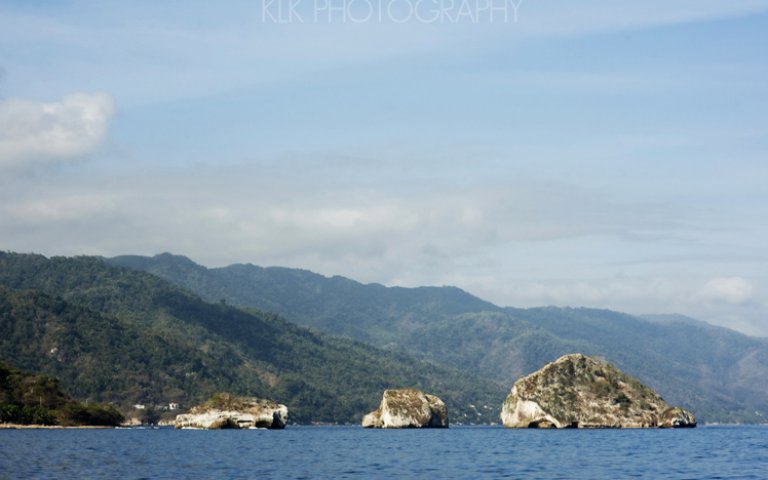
x,y
577,391
408,408
227,411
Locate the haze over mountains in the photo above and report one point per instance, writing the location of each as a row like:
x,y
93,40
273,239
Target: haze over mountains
x,y
720,374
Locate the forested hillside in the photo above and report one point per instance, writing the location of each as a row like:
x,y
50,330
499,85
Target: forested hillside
x,y
37,399
112,334
721,374
337,305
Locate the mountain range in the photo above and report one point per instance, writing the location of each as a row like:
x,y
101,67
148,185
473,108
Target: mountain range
x,y
720,374
123,336
163,329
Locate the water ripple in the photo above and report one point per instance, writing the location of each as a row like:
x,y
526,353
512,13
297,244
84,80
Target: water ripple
x,y
351,452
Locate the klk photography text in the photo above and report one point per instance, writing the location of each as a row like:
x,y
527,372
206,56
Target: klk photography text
x,y
390,11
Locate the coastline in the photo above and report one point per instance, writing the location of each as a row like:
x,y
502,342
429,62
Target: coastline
x,y
19,426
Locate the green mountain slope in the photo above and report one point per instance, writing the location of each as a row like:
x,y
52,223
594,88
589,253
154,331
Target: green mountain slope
x,y
36,399
371,313
96,356
112,334
720,374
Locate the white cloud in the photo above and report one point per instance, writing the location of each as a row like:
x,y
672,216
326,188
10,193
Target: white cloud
x,y
34,133
260,216
64,208
734,290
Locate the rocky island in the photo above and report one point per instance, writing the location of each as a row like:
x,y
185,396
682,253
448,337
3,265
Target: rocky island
x,y
577,391
229,411
408,408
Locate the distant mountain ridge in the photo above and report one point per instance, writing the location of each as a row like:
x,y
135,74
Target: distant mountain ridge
x,y
330,304
720,374
126,336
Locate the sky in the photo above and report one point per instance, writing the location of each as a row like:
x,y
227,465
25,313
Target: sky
x,y
532,152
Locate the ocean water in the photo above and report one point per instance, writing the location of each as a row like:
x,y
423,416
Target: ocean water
x,y
351,452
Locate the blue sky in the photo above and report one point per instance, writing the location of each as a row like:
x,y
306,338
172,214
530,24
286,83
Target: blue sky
x,y
596,153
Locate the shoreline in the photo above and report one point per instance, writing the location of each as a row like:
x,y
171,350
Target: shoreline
x,y
22,426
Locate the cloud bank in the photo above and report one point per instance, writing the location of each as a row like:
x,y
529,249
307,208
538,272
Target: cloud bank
x,y
514,243
732,290
37,133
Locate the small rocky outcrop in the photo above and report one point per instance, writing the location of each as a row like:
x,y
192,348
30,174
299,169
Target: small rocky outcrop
x,y
577,391
677,417
229,411
408,408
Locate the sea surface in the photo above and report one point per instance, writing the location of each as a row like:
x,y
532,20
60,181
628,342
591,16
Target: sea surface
x,y
351,452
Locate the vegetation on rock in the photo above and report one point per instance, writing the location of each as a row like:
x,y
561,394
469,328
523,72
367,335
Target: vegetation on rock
x,y
577,391
227,411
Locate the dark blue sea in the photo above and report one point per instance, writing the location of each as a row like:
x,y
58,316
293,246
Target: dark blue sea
x,y
351,452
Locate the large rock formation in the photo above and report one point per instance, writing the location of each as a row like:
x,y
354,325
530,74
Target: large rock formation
x,y
577,391
228,411
408,408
